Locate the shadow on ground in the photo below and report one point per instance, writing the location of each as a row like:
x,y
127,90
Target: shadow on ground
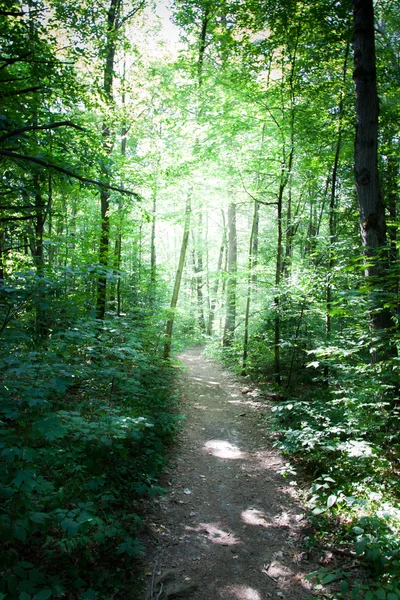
x,y
230,526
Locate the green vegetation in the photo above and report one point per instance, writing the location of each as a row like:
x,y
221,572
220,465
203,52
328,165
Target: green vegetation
x,y
211,176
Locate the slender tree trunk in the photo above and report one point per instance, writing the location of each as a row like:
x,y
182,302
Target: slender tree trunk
x,y
277,299
371,208
214,294
50,219
229,329
2,262
178,279
253,244
198,273
153,256
38,258
120,216
224,279
332,211
108,142
202,45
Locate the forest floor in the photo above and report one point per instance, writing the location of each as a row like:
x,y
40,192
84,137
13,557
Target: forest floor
x,y
230,526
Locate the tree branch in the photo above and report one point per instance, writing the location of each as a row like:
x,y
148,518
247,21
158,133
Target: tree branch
x,y
40,127
44,163
130,15
35,88
16,208
4,13
11,61
25,218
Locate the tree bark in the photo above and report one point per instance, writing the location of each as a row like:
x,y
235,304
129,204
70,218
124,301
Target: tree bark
x,y
178,279
332,212
371,207
253,246
107,142
214,295
229,329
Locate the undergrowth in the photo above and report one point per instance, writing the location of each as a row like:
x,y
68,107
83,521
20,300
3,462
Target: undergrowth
x,y
347,438
85,417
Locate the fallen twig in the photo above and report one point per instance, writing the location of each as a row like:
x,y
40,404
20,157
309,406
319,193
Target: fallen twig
x,y
265,571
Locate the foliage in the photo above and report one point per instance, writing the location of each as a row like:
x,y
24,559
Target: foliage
x,y
85,419
347,437
254,107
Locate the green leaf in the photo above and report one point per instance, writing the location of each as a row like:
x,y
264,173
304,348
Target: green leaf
x,y
358,530
344,586
392,596
24,596
329,578
380,594
42,595
38,517
73,528
318,511
89,595
331,500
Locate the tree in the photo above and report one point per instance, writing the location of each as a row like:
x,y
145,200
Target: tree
x,y
371,206
231,284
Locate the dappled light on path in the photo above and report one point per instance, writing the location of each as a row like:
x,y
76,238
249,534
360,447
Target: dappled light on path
x,y
252,516
232,522
239,592
214,533
223,449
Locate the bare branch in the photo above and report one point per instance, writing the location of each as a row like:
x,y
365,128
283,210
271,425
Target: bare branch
x,y
40,127
48,165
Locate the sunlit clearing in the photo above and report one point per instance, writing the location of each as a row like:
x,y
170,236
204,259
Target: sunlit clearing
x,y
215,534
240,592
251,516
223,449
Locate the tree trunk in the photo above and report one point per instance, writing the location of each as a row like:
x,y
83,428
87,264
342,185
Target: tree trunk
x,y
277,299
371,208
229,329
198,274
153,257
253,245
178,279
332,212
2,261
107,142
214,295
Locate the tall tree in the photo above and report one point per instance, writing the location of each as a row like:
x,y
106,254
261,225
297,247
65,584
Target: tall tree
x,y
371,206
231,284
114,22
178,279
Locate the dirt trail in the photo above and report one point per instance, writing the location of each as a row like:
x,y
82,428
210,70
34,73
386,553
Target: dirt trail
x,y
230,527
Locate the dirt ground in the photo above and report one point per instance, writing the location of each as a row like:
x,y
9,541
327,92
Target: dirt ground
x,y
230,527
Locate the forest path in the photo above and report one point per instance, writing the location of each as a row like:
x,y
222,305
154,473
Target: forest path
x,y
229,527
